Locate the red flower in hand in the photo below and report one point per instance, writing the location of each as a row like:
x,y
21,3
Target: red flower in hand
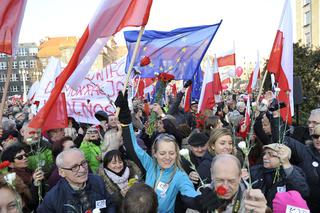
x,y
4,164
36,103
165,77
88,211
145,61
221,191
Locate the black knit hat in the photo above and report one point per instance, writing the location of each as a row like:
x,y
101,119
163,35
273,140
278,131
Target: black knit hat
x,y
101,116
198,139
10,152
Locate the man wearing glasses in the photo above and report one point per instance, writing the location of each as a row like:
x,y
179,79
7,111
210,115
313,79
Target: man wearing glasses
x,y
77,191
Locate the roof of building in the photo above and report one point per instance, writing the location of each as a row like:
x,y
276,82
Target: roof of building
x,y
53,46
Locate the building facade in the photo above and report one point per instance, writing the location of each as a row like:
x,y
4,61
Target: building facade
x,y
25,69
307,22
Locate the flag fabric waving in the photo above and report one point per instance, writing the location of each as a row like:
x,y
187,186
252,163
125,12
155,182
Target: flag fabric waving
x,y
227,60
254,76
11,16
281,62
211,87
110,18
178,52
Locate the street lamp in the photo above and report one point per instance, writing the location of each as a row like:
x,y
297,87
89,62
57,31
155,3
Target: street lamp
x,y
24,72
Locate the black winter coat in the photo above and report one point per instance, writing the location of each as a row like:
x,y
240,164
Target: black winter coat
x,y
265,180
62,198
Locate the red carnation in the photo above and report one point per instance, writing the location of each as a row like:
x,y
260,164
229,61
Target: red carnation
x,y
10,137
4,164
36,103
32,132
88,211
165,77
145,61
221,191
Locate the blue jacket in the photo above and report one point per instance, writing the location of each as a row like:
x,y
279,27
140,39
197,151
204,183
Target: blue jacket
x,y
154,174
62,198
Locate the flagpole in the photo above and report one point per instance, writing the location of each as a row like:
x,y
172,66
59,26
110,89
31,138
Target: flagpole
x,y
261,86
5,91
131,64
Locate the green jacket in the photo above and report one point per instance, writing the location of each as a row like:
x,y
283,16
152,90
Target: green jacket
x,y
91,152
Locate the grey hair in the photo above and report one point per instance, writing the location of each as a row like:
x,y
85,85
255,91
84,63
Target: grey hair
x,y
315,111
61,156
223,157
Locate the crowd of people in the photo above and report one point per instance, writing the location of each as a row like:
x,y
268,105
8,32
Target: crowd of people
x,y
188,162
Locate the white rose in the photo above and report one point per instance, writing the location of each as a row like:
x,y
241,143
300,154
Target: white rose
x,y
242,145
96,211
277,89
10,178
184,152
254,104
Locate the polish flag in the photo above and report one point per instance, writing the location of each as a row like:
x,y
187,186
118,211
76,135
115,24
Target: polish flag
x,y
281,62
247,120
255,75
187,99
211,87
228,59
110,18
11,16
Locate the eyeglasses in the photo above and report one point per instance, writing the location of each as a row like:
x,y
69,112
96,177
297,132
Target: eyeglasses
x,y
76,168
315,136
225,182
20,157
270,154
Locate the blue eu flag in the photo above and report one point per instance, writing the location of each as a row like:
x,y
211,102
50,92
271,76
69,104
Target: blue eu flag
x,y
178,52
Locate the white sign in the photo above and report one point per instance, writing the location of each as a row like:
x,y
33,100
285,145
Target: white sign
x,y
97,91
293,209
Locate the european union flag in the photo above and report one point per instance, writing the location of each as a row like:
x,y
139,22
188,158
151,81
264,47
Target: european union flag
x,y
178,52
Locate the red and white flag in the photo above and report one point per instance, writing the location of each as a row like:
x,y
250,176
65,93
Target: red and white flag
x,y
11,16
211,87
110,18
247,120
187,99
255,75
229,59
281,62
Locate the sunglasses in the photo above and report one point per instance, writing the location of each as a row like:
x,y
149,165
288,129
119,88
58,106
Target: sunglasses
x,y
20,157
315,136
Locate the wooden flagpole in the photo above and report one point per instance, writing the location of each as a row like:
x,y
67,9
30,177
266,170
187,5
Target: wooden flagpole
x,y
131,63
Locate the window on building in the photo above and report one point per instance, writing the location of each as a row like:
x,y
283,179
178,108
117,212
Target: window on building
x,y
1,89
33,63
27,77
22,89
3,65
14,77
14,65
22,52
308,39
33,51
3,77
14,89
305,2
23,64
307,18
2,55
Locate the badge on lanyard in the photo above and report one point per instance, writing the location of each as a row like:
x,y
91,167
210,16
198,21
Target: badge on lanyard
x,y
281,189
162,187
100,204
315,164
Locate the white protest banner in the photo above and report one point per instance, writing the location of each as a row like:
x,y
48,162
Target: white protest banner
x,y
97,91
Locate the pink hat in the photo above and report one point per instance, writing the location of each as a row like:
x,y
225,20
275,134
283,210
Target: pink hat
x,y
292,198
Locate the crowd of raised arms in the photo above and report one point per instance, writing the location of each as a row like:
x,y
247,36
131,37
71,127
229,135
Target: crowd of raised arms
x,y
159,158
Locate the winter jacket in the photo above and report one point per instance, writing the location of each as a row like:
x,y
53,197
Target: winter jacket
x,y
62,198
289,179
91,152
307,158
181,116
170,181
112,188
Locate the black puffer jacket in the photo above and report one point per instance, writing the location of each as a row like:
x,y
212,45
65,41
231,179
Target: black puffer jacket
x,y
265,180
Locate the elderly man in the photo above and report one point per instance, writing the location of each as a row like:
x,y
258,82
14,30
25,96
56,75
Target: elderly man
x,y
77,191
229,193
276,174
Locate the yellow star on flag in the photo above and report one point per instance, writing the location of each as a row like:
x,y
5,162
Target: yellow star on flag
x,y
171,67
184,49
151,65
178,59
161,68
145,49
